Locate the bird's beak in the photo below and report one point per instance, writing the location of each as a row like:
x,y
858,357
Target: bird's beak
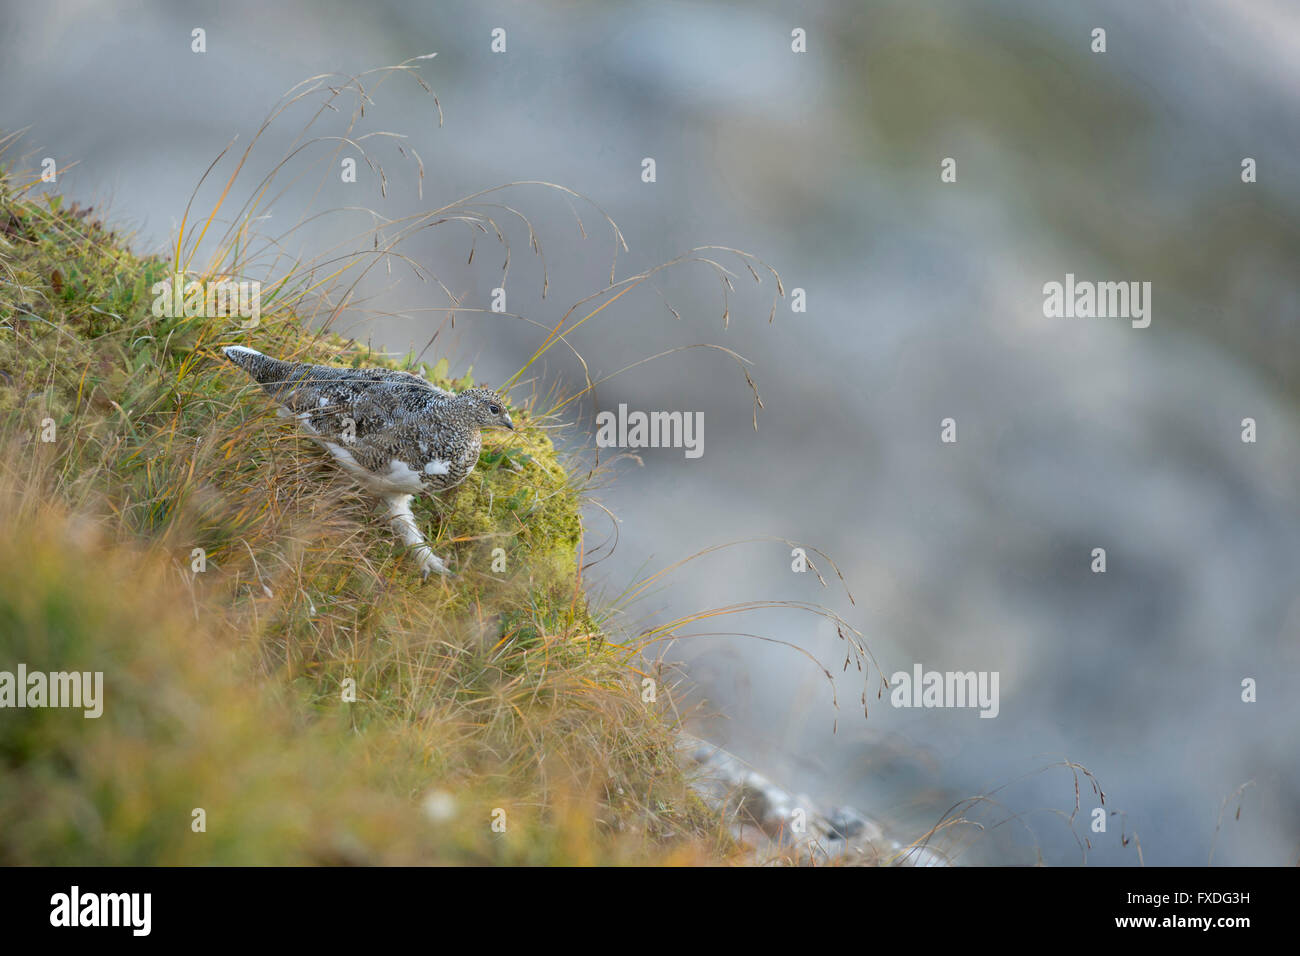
x,y
505,420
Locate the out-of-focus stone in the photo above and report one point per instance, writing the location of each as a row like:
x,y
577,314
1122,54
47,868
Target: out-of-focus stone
x,y
781,827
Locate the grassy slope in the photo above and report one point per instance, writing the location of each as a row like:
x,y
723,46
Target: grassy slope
x,y
224,688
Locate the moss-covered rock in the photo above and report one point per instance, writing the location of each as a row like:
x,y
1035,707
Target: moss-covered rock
x,y
270,654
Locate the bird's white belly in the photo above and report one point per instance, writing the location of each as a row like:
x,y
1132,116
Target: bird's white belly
x,y
399,479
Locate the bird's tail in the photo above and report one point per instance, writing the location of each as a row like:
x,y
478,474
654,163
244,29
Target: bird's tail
x,y
263,369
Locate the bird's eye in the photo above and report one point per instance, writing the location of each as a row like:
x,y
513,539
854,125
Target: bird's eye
x,y
494,408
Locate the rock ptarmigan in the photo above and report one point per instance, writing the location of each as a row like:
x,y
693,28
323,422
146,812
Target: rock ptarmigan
x,y
396,434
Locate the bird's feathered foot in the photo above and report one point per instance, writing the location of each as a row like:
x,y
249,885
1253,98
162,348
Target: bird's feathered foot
x,y
403,521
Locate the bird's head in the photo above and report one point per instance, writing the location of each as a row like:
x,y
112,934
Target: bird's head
x,y
486,408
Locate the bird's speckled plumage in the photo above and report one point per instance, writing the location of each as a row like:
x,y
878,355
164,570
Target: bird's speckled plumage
x,y
395,433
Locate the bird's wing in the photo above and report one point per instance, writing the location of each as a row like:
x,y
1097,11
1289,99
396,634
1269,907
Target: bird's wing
x,y
353,403
370,397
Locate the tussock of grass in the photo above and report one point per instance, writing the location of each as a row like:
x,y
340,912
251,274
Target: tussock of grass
x,y
224,688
